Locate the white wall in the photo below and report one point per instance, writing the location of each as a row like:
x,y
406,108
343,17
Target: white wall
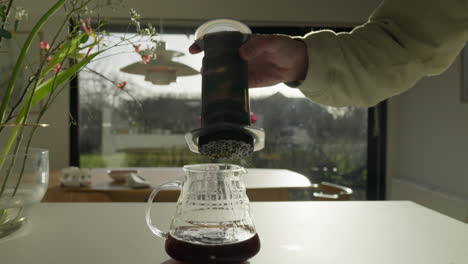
x,y
428,144
427,129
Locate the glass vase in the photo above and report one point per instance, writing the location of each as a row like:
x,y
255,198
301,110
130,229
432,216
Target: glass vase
x,y
23,182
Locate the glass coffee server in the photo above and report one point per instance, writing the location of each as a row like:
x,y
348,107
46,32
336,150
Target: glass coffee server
x,y
212,222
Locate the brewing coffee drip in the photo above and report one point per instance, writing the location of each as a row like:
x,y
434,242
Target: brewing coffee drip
x,y
225,131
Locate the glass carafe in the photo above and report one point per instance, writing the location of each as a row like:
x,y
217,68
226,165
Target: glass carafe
x,y
212,222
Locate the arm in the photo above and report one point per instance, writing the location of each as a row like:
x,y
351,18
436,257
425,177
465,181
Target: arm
x,y
403,41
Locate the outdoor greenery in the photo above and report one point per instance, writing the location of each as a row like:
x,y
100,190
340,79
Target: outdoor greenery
x,y
322,143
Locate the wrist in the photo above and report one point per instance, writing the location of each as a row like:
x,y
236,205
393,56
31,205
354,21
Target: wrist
x,y
302,60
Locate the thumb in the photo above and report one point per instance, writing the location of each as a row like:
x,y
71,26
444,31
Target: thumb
x,y
194,49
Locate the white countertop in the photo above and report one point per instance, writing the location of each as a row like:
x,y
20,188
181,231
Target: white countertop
x,y
290,232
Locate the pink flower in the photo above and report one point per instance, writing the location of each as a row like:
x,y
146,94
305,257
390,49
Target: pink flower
x,y
49,59
253,118
85,28
137,48
145,59
44,45
56,67
122,85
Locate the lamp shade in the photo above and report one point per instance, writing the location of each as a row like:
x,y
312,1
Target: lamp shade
x,y
163,70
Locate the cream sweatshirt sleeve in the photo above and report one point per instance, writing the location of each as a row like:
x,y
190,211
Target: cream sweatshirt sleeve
x,y
403,41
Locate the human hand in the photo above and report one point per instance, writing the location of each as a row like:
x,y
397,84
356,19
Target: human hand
x,y
272,59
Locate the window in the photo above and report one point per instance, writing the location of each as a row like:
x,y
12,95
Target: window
x,y
144,124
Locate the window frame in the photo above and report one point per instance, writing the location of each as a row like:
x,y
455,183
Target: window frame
x,y
376,123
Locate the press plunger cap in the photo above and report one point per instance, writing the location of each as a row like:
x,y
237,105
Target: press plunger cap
x,y
223,24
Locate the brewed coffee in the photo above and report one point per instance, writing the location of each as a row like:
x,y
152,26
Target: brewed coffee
x,y
197,253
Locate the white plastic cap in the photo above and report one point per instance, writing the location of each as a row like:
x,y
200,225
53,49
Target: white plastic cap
x,y
222,24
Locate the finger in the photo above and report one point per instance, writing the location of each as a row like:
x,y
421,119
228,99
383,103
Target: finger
x,y
255,46
194,49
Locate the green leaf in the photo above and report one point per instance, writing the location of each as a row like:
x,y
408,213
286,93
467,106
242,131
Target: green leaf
x,y
17,68
12,81
41,91
49,86
77,55
3,11
84,38
67,49
5,34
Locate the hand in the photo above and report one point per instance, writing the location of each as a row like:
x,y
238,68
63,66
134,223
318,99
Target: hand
x,y
272,59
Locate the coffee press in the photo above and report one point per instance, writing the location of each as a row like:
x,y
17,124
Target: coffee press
x,y
225,131
212,222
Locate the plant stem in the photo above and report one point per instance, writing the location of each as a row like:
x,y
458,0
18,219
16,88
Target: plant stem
x,y
10,4
35,128
13,160
28,144
24,161
31,81
52,96
3,215
13,108
21,57
9,91
115,84
50,99
18,136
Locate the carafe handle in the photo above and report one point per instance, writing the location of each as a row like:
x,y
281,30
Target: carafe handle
x,y
165,186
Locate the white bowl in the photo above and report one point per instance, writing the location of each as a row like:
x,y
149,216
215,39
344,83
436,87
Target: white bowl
x,y
120,175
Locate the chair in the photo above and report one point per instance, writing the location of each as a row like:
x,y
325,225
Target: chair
x,y
326,191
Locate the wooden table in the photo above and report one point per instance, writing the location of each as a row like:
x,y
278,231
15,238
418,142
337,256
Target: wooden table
x,y
261,184
290,232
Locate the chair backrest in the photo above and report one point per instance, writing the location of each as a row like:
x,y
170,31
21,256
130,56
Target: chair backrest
x,y
326,191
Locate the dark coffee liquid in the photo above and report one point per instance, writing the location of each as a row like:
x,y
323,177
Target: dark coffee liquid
x,y
195,253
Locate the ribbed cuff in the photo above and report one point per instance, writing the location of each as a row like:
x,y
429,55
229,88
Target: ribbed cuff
x,y
295,84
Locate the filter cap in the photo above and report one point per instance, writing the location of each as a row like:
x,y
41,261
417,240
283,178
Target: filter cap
x,y
221,24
